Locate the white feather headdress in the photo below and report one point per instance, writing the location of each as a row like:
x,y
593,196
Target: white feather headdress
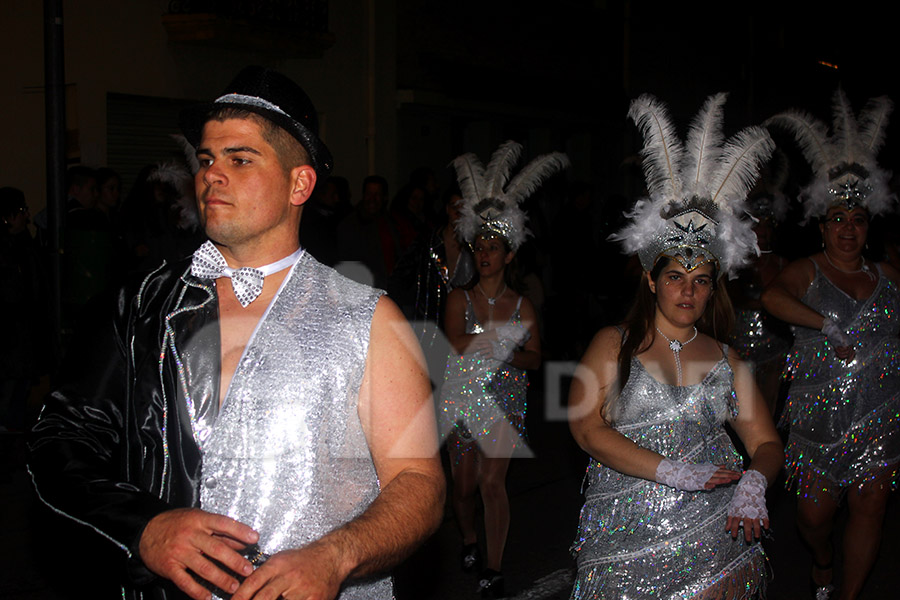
x,y
845,171
490,205
696,190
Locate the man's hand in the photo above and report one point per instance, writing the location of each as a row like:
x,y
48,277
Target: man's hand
x,y
312,572
187,538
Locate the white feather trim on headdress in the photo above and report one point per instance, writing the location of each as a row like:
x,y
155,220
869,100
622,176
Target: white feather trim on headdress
x,y
845,170
177,177
697,192
490,201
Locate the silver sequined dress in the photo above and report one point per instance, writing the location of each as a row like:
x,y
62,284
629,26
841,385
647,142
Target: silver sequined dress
x,y
286,453
843,415
757,339
641,539
481,392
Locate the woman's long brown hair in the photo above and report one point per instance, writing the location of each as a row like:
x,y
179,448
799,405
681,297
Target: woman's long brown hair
x,y
717,321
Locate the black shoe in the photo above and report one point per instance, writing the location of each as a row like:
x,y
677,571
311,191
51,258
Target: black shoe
x,y
491,584
470,558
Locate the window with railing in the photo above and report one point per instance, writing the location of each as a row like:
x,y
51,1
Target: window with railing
x,y
295,27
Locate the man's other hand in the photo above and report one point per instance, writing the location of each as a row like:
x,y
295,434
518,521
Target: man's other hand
x,y
188,538
312,572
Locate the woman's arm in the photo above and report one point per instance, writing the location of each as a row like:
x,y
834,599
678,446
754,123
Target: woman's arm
x,y
529,355
455,322
753,423
756,430
594,380
782,298
890,272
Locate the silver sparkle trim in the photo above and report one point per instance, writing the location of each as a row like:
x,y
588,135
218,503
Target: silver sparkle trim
x,y
121,545
251,100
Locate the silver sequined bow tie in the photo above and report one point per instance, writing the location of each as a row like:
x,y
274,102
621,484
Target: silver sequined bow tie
x,y
209,263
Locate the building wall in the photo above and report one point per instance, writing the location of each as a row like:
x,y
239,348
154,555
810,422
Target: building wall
x,y
122,47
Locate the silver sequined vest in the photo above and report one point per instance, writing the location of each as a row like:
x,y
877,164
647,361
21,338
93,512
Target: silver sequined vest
x,y
287,455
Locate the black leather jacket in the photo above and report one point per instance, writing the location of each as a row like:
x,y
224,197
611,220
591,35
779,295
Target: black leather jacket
x,y
114,445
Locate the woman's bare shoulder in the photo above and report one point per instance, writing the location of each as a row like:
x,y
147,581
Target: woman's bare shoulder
x,y
890,271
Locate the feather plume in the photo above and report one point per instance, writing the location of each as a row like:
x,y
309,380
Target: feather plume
x,y
844,129
178,178
528,179
645,223
811,135
741,159
663,150
470,175
190,154
704,144
489,204
873,122
502,161
853,142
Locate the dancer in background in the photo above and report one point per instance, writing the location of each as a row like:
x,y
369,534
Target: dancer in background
x,y
760,339
844,367
669,512
494,337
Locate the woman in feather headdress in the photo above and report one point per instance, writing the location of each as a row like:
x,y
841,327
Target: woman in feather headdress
x,y
669,511
494,335
843,402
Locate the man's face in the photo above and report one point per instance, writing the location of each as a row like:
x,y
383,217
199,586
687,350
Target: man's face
x,y
373,199
243,194
87,194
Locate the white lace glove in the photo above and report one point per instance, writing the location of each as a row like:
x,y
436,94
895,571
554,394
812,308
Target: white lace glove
x,y
516,333
684,476
503,350
834,334
749,500
509,337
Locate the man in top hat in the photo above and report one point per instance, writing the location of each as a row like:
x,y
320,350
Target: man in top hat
x,y
247,422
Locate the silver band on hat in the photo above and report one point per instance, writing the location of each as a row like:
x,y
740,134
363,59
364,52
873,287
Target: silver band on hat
x,y
251,100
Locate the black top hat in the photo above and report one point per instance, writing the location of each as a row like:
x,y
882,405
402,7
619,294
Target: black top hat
x,y
273,96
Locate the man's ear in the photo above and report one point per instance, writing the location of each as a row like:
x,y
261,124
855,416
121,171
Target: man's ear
x,y
303,182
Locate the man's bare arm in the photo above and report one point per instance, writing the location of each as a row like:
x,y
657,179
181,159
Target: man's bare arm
x,y
397,416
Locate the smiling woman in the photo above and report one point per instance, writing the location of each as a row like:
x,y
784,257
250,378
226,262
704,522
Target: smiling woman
x,y
842,403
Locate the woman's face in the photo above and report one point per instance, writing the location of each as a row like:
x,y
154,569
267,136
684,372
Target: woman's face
x,y
491,255
844,231
109,193
453,213
682,296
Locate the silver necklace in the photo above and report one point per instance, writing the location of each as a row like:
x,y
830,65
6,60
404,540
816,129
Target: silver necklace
x,y
491,300
863,269
675,346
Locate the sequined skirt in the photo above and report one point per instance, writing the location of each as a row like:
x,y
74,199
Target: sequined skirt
x,y
757,339
641,539
844,417
478,395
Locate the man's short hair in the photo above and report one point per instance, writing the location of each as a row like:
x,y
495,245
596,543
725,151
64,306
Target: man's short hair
x,y
79,175
11,201
379,180
288,149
